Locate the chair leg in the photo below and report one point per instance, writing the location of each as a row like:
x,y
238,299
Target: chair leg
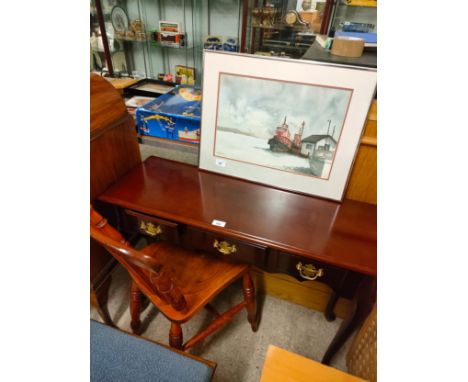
x,y
249,297
176,336
99,301
135,308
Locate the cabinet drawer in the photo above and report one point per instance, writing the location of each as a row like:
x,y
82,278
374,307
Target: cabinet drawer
x,y
152,226
230,249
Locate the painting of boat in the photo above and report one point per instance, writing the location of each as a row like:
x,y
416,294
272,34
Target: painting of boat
x,y
281,141
297,132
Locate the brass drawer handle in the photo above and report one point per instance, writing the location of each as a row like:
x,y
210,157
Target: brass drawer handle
x,y
150,228
308,271
224,247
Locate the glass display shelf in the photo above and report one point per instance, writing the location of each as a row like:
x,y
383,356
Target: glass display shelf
x,y
283,27
298,28
197,20
351,16
155,44
97,50
123,39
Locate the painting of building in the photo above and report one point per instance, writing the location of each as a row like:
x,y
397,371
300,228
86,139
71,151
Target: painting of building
x,y
318,145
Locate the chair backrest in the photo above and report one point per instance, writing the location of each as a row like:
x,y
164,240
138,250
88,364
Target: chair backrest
x,y
144,269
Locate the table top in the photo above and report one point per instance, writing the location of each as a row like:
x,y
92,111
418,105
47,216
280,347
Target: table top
x,y
341,234
281,365
318,53
121,83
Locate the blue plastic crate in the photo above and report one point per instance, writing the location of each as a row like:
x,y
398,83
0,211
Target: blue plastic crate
x,y
174,115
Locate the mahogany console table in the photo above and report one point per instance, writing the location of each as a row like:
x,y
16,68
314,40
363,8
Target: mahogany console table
x,y
275,230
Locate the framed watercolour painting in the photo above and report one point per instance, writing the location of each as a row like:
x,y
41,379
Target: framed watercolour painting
x,y
290,124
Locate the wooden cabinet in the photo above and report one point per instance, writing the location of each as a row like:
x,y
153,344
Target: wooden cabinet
x,y
362,184
113,151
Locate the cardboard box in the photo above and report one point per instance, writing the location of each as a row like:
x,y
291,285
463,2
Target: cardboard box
x,y
174,115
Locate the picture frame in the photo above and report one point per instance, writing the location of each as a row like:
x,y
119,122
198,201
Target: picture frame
x,y
308,7
169,27
185,75
213,42
291,124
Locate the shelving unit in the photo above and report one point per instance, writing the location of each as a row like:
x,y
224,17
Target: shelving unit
x,y
144,58
362,12
197,18
269,33
362,3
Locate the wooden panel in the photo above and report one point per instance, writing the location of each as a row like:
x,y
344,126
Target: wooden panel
x,y
283,366
114,143
106,105
121,83
100,263
370,129
372,115
113,153
362,185
311,294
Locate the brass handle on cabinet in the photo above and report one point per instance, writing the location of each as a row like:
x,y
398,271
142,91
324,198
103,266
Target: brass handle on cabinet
x,y
224,247
150,228
308,271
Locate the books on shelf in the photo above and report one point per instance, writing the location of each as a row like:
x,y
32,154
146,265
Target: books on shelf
x,y
324,41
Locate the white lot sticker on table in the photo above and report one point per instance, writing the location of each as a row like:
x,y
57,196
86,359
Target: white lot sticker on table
x,y
218,223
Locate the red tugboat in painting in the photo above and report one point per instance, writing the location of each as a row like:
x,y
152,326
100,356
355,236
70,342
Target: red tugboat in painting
x,y
281,141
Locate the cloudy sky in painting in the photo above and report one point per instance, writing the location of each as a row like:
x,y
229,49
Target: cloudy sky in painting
x,y
256,107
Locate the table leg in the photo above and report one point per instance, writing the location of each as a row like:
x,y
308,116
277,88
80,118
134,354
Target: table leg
x,y
362,305
99,301
329,310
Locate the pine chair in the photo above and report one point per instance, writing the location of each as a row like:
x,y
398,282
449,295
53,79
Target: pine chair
x,y
178,282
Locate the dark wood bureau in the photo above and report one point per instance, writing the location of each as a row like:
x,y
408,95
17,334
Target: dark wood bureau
x,y
275,230
113,151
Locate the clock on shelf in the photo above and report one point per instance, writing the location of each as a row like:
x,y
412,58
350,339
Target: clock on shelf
x,y
293,18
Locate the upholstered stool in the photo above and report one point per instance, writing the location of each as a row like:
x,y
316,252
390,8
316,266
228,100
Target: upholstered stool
x,y
117,356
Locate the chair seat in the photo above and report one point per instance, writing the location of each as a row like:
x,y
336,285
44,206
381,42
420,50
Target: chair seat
x,y
199,276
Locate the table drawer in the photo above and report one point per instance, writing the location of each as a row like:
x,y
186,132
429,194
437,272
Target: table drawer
x,y
305,269
153,227
230,249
